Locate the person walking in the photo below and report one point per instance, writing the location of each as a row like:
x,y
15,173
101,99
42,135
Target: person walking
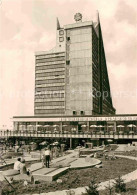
x,y
47,157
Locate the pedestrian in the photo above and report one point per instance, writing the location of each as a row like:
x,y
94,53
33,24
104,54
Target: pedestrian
x,y
47,157
17,164
23,169
43,159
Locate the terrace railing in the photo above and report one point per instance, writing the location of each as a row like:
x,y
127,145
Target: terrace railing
x,y
104,134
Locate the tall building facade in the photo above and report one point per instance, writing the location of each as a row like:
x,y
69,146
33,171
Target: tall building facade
x,y
72,78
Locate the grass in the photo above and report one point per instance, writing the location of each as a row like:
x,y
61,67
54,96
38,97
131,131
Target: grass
x,y
78,178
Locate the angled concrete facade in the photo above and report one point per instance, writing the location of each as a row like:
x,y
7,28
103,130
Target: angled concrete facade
x,y
71,78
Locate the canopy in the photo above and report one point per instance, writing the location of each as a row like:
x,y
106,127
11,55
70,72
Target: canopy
x,y
39,125
120,126
93,125
131,125
83,125
100,126
110,140
43,143
111,126
64,125
55,125
46,125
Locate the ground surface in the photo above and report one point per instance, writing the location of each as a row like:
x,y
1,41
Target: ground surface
x,y
78,178
11,166
131,189
128,153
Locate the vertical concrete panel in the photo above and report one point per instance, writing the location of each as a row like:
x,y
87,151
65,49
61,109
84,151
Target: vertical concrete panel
x,y
80,71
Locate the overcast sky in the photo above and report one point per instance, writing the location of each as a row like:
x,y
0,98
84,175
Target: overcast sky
x,y
27,26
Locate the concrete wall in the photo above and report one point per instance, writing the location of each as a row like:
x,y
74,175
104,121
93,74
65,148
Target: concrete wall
x,y
79,83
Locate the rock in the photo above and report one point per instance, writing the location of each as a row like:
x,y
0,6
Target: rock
x,y
59,180
10,172
36,181
99,166
11,180
70,192
25,183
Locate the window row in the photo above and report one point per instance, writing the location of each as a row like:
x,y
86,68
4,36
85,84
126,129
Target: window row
x,y
49,107
49,63
50,81
55,95
50,66
50,55
50,103
50,59
54,111
49,89
57,99
50,73
49,85
51,69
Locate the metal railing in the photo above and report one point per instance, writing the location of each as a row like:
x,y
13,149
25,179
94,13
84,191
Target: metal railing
x,y
105,134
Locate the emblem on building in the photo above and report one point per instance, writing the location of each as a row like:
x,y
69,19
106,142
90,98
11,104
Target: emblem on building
x,y
78,17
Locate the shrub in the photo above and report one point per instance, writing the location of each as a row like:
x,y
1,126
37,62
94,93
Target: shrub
x,y
119,185
92,188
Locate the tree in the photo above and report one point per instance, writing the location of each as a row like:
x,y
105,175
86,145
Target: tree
x,y
92,188
119,185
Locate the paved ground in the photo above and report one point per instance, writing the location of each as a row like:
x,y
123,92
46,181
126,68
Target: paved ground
x,y
70,160
125,147
78,191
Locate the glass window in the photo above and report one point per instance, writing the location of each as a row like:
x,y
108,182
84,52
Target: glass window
x,y
61,32
61,39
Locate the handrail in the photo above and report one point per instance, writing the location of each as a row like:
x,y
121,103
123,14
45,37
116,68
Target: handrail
x,y
59,134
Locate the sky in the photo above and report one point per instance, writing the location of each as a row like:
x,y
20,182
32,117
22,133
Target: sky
x,y
27,26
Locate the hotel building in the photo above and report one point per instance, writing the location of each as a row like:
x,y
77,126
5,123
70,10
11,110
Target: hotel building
x,y
72,78
72,90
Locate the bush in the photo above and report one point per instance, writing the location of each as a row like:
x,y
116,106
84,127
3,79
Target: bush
x,y
119,185
92,188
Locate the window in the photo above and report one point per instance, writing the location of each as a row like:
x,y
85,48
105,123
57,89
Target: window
x,y
68,62
61,39
74,112
68,38
82,112
61,32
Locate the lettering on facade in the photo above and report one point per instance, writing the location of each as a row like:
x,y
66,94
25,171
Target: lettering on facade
x,y
100,119
125,118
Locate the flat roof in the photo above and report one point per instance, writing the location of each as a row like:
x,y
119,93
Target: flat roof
x,y
64,116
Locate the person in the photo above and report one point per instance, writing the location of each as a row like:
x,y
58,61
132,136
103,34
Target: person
x,y
17,164
95,155
23,169
47,157
42,159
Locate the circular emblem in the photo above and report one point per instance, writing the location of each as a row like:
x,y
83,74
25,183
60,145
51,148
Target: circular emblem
x,y
78,17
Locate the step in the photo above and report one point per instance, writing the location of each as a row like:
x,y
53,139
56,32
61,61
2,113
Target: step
x,y
51,175
44,171
35,167
55,174
64,163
